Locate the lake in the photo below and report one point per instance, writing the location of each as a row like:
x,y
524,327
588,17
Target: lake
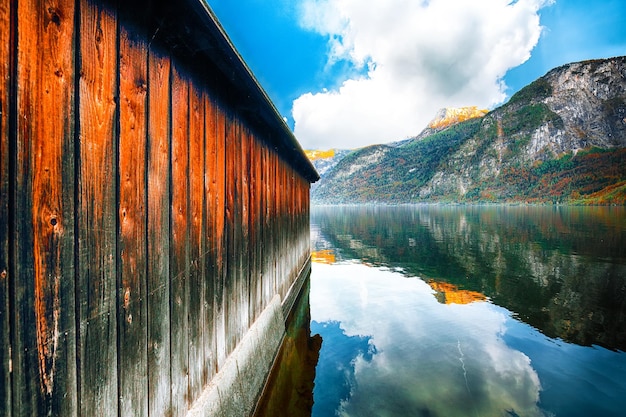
x,y
458,311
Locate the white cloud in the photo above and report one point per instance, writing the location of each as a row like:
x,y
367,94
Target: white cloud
x,y
417,56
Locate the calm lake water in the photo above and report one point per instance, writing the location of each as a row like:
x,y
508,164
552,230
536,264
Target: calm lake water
x,y
459,311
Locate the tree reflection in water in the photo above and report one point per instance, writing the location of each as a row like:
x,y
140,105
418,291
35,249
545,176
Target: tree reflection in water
x,y
455,311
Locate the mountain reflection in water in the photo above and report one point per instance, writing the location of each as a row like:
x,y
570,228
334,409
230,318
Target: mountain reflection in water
x,y
468,311
560,269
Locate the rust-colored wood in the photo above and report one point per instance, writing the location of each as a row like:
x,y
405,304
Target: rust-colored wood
x,y
274,202
158,236
252,235
5,98
133,306
97,209
244,234
256,301
210,276
198,340
239,317
145,220
230,283
44,344
179,244
268,249
220,204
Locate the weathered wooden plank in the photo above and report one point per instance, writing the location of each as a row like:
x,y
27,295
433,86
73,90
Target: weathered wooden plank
x,y
279,224
197,282
44,348
220,210
210,241
238,316
244,247
255,243
268,249
179,243
133,320
5,98
230,283
274,238
97,209
262,223
159,393
251,230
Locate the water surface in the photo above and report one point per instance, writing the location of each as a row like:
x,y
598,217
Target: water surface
x,y
469,311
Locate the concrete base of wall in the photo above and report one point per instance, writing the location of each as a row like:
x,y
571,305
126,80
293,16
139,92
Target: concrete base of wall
x,y
235,389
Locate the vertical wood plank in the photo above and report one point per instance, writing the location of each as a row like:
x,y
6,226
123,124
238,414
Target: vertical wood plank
x,y
97,209
236,312
274,193
5,94
229,280
179,243
244,247
210,241
197,282
159,394
267,233
133,335
257,224
44,349
279,221
220,208
255,272
252,244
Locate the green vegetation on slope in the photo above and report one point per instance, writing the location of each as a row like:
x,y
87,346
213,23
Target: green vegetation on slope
x,y
527,150
593,176
401,171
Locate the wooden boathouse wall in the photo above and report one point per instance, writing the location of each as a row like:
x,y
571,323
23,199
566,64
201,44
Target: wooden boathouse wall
x,y
152,202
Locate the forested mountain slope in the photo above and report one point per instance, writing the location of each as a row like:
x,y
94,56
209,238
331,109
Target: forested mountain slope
x,y
560,139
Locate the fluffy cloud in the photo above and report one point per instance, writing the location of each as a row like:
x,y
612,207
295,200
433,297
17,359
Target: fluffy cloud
x,y
415,57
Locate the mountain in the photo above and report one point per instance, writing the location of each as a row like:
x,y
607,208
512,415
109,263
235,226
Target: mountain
x,y
561,139
324,161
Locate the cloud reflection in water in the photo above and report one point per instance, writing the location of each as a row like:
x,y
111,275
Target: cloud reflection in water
x,y
429,358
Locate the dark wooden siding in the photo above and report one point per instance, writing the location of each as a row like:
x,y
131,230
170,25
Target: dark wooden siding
x,y
152,203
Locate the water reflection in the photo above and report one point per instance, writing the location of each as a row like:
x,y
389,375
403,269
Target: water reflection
x,y
289,390
423,358
559,269
465,311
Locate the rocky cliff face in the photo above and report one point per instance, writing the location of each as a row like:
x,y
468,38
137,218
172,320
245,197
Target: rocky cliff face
x,y
561,138
590,98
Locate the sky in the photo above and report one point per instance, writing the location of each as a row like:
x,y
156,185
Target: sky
x,y
350,73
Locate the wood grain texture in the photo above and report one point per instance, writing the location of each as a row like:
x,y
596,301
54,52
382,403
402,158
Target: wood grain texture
x,y
230,280
212,269
198,335
267,233
44,374
179,244
132,217
97,209
220,204
256,301
158,268
244,233
5,98
148,219
210,239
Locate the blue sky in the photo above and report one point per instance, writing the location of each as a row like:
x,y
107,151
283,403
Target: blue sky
x,y
350,73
